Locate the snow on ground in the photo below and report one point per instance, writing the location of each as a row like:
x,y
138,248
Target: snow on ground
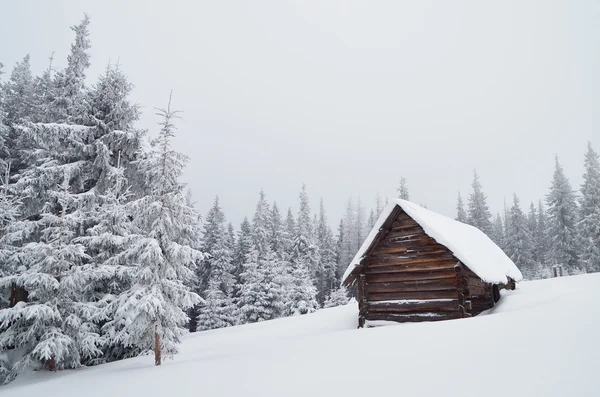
x,y
540,340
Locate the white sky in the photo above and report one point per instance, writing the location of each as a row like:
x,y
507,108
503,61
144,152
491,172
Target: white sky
x,y
347,96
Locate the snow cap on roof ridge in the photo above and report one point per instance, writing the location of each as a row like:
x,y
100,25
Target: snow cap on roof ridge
x,y
468,244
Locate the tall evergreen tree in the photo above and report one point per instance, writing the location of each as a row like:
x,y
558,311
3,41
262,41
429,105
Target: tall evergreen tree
x,y
218,308
532,225
479,214
540,237
68,92
305,262
519,244
589,226
326,279
260,291
562,219
498,235
18,93
461,214
55,326
403,189
243,246
151,314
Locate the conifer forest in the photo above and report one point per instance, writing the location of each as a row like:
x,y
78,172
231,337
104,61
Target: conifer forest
x,y
104,254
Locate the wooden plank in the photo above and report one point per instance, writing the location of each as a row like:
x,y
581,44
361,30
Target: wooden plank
x,y
434,262
403,222
412,276
387,296
413,286
418,267
413,307
413,257
432,316
409,269
406,232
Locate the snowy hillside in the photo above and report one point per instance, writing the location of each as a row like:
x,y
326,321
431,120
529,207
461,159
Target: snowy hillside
x,y
541,340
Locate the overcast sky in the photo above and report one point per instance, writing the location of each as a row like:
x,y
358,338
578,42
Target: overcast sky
x,y
347,96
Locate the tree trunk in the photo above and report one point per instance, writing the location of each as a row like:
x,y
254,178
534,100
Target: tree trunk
x,y
157,358
52,364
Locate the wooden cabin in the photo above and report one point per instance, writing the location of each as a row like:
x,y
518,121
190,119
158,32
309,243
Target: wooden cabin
x,y
417,265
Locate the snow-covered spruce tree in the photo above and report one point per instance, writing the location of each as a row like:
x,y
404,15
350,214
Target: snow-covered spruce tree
x,y
461,214
403,189
498,236
519,245
218,309
326,278
540,238
18,91
337,297
260,291
371,220
55,325
151,315
305,263
479,214
532,225
289,233
68,88
361,223
213,234
42,95
340,254
350,243
562,220
243,246
589,226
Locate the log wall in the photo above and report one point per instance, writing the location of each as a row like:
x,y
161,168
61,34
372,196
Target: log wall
x,y
407,276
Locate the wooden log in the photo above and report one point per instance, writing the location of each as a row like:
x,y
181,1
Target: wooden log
x,y
413,257
388,260
409,269
398,317
410,276
406,232
414,306
387,296
413,286
404,224
418,267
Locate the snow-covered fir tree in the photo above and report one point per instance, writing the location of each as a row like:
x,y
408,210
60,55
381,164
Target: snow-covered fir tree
x,y
306,263
562,220
289,233
461,214
326,278
403,189
260,295
479,214
42,95
519,244
341,255
498,234
68,94
337,297
218,308
532,225
151,314
540,237
589,226
55,324
18,93
243,245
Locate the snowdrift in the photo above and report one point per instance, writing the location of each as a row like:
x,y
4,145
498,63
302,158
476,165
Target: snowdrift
x,y
540,340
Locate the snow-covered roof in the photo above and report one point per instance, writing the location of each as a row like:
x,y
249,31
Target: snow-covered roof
x,y
468,244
